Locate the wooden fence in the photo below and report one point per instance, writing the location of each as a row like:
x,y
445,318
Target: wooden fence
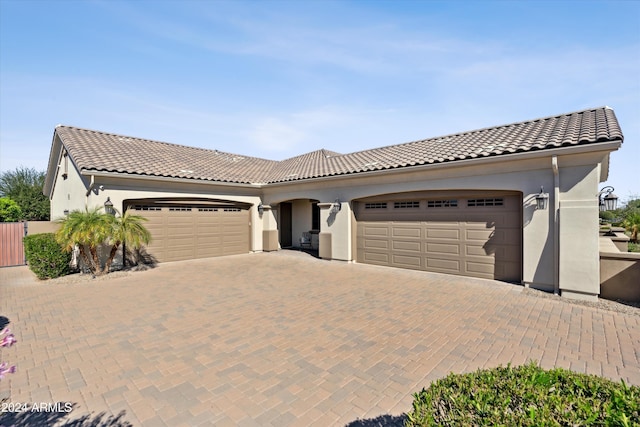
x,y
11,247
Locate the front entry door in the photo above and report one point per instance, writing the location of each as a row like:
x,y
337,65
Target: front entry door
x,y
285,225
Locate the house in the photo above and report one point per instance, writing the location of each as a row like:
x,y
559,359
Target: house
x,y
462,204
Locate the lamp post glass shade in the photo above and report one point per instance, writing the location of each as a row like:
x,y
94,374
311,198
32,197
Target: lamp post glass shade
x,y
610,201
542,199
108,207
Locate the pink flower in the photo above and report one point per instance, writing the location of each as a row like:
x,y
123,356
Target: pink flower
x,y
6,369
9,339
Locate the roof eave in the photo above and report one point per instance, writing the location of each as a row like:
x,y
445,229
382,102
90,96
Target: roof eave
x,y
52,167
91,172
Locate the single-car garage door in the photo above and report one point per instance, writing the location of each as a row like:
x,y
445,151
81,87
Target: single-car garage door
x,y
472,234
183,231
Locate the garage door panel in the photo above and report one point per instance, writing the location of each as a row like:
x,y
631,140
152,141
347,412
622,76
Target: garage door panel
x,y
208,229
209,240
407,261
442,233
406,232
376,258
509,254
375,244
441,221
480,237
443,265
399,245
443,248
480,267
371,231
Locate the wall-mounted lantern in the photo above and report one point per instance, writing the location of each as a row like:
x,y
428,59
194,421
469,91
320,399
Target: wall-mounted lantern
x,y
335,208
542,199
108,207
260,209
607,200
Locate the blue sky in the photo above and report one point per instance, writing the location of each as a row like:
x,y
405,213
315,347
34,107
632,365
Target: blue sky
x,y
275,79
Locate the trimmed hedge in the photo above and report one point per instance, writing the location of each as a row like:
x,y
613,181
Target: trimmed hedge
x,y
45,256
525,396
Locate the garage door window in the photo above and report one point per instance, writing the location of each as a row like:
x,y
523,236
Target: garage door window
x,y
180,209
485,202
442,203
145,208
406,205
382,205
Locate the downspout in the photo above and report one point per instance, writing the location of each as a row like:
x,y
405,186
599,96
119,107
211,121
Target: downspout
x,y
556,225
89,190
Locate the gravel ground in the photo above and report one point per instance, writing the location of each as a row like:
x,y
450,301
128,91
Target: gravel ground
x,y
617,306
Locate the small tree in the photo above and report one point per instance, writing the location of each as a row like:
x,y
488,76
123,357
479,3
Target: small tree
x,y
24,186
630,215
92,229
632,223
87,230
9,210
127,229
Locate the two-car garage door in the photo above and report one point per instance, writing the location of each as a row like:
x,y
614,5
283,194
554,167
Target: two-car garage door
x,y
471,234
189,231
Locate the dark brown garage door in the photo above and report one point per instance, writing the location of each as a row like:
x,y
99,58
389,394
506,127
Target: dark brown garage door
x,y
190,232
473,234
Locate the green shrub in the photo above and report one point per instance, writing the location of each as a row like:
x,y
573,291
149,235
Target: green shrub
x,y
525,396
45,256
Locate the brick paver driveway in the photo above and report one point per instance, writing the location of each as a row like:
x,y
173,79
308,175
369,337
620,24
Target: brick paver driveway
x,y
285,339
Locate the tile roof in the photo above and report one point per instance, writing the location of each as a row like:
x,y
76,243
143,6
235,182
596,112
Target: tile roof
x,y
100,151
105,152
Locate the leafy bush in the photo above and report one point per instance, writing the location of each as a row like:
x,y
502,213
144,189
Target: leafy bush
x,y
525,396
9,210
606,216
45,256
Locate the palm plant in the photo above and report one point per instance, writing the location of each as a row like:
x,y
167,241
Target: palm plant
x,y
92,229
86,229
632,224
127,229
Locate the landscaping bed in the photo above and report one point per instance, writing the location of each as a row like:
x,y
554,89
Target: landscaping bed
x,y
525,396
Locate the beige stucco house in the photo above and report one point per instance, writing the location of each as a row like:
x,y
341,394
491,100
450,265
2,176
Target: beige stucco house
x,y
459,204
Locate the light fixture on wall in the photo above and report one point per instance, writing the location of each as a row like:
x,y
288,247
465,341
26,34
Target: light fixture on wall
x,y
260,209
108,207
337,205
542,199
607,200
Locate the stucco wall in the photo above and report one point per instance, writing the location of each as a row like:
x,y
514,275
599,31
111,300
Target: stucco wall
x,y
620,276
69,193
38,227
579,268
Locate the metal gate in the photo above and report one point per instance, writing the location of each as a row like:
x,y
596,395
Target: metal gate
x,y
11,246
